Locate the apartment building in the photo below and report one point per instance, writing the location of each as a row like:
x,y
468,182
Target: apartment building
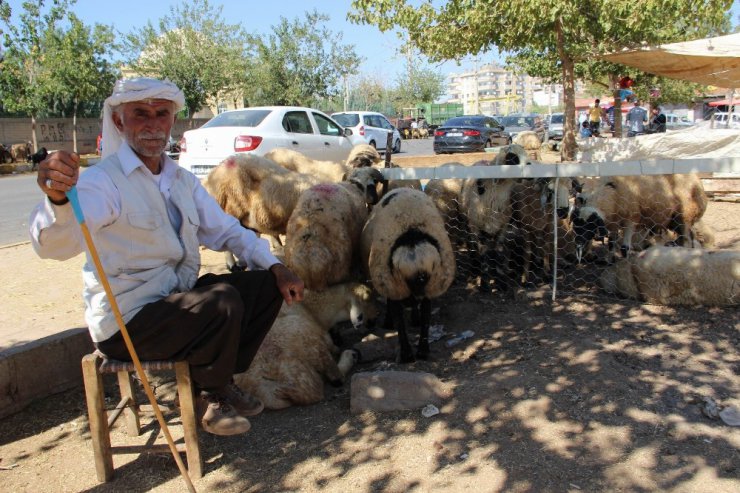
x,y
492,90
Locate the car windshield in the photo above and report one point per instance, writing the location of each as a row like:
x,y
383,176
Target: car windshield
x,y
347,119
245,118
556,118
463,121
518,121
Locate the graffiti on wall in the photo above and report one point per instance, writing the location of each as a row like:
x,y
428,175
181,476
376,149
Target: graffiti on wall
x,y
62,131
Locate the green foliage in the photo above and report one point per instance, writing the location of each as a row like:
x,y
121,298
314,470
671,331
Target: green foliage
x,y
300,63
194,47
557,40
77,59
25,79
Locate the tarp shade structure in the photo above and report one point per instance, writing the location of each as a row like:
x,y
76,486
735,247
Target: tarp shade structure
x,y
710,61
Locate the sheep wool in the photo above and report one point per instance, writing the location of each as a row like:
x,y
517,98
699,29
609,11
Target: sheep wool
x,y
363,155
257,191
323,234
404,237
328,171
677,276
673,202
298,353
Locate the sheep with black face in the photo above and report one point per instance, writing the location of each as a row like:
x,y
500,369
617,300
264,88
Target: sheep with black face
x,y
408,256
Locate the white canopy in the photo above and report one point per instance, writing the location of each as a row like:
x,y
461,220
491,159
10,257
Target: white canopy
x,y
709,61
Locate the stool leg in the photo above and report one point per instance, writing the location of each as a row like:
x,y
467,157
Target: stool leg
x,y
96,414
187,415
126,384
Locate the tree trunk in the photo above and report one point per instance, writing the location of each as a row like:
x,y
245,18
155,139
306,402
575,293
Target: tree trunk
x,y
33,134
74,126
614,78
568,149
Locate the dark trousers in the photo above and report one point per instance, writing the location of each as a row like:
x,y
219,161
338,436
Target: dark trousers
x,y
217,327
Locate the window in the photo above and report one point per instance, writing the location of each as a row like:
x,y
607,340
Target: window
x,y
297,122
246,118
326,126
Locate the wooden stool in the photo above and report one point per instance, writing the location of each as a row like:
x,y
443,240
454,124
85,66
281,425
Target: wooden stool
x,y
93,367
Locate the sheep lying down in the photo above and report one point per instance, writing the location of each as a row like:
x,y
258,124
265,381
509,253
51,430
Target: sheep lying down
x,y
677,276
298,353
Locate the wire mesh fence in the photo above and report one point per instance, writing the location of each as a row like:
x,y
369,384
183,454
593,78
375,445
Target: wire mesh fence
x,y
588,228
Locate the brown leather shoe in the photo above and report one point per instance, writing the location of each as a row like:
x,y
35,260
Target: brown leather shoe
x,y
245,404
218,416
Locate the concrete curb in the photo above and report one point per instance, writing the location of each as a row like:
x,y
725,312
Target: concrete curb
x,y
41,368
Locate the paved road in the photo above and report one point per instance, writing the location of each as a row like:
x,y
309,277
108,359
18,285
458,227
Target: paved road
x,y
19,194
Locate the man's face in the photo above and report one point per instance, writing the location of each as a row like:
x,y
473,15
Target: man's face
x,y
146,125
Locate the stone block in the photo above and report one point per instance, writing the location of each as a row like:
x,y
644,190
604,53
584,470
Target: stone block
x,y
396,391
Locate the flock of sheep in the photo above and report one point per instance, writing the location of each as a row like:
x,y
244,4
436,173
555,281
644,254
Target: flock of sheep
x,y
346,230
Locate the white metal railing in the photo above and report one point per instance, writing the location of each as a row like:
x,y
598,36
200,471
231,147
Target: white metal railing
x,y
561,170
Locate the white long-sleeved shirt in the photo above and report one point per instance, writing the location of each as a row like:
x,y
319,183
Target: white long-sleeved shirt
x,y
55,233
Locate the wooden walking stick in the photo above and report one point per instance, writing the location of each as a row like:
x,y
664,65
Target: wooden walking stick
x,y
74,200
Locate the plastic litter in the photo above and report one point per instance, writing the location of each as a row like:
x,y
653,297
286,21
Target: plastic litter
x,y
436,332
429,410
463,335
730,415
710,408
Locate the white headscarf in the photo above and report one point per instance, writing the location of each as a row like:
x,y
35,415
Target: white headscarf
x,y
127,91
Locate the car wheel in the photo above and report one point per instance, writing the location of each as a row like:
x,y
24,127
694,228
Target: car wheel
x,y
397,147
372,143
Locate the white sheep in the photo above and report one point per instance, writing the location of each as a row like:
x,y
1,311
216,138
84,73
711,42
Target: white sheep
x,y
657,202
530,142
257,191
677,276
298,353
327,171
408,256
446,195
323,232
363,155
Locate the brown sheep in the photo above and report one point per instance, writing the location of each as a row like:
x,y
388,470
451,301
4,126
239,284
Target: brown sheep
x,y
655,202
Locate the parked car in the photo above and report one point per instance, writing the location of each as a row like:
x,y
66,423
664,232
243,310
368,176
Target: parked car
x,y
173,148
374,127
555,123
519,123
471,133
258,130
675,122
720,120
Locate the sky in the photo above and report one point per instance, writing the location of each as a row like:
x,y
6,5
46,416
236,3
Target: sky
x,y
379,50
257,17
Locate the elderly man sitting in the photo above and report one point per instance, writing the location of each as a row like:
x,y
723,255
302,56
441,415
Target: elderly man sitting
x,y
148,218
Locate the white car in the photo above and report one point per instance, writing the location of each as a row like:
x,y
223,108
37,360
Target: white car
x,y
261,129
720,120
373,127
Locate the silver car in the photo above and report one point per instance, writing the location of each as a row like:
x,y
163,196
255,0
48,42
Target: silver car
x,y
373,127
261,129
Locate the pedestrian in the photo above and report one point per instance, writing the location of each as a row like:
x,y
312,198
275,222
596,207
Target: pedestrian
x,y
585,130
636,120
657,120
595,114
148,217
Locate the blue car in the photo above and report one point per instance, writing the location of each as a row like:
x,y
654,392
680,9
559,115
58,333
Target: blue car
x,y
471,133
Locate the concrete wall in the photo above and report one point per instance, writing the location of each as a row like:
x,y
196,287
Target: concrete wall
x,y
41,368
56,133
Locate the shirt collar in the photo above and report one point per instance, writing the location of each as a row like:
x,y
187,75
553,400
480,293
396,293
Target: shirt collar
x,y
130,161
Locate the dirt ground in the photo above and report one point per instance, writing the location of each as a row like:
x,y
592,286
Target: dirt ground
x,y
584,393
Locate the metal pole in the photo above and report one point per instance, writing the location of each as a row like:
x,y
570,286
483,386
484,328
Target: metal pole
x,y
74,200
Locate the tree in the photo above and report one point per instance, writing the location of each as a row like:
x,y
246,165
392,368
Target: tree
x,y
79,70
25,82
553,37
195,48
299,63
